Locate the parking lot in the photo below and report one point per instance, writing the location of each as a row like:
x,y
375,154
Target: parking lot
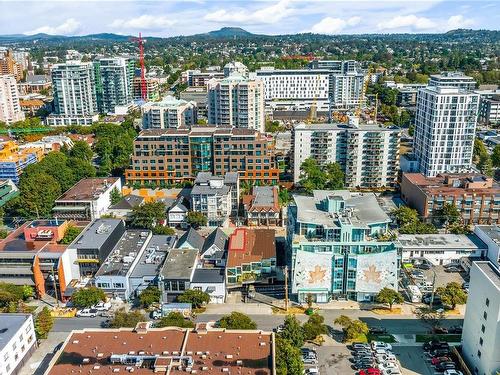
x,y
443,278
334,360
413,360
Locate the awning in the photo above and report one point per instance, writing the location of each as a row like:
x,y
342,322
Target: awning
x,y
18,280
70,208
87,260
16,271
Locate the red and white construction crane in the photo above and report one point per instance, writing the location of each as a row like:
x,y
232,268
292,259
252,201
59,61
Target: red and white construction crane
x,y
144,90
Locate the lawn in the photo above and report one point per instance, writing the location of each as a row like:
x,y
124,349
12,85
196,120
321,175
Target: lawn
x,y
447,338
384,338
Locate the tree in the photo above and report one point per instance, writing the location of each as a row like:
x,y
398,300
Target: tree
x,y
237,320
148,215
197,298
452,294
314,327
81,150
126,319
447,214
288,358
495,157
352,328
43,323
389,297
273,126
71,233
87,297
292,331
485,165
284,197
38,191
163,230
13,293
115,196
196,219
479,149
174,319
315,177
405,215
149,296
431,318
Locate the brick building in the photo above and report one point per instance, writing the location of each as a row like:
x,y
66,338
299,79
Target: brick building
x,y
165,156
476,196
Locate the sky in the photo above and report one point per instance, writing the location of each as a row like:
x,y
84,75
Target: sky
x,y
187,17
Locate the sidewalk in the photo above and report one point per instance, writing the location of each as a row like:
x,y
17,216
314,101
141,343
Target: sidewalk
x,y
246,308
40,359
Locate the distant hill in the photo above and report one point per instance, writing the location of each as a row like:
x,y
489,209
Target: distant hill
x,y
229,32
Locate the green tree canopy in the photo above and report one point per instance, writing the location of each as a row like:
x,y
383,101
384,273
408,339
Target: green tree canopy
x,y
495,156
115,195
127,319
409,222
389,297
174,319
292,331
149,296
314,177
71,233
197,298
163,230
452,294
237,320
314,327
352,328
148,215
81,150
87,297
43,323
448,213
196,219
288,358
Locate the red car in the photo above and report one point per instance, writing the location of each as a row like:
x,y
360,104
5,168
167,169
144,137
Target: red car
x,y
437,360
370,371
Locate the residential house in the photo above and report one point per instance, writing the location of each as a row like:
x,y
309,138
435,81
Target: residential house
x,y
177,272
262,206
124,208
177,213
211,281
17,342
8,190
191,239
214,252
251,256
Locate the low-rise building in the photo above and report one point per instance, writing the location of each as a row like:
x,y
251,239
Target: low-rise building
x,y
216,197
147,270
476,196
191,239
8,190
170,350
88,199
440,249
125,207
30,107
31,255
211,281
169,113
49,143
197,78
489,110
114,274
334,251
262,206
214,251
95,242
251,256
177,272
17,341
177,213
35,83
13,160
490,235
481,329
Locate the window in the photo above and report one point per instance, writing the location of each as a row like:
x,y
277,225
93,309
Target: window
x,y
487,302
482,328
485,315
479,354
481,341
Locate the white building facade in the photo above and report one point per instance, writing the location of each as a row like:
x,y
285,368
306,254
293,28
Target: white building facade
x,y
445,124
18,341
10,109
236,101
481,329
169,113
368,154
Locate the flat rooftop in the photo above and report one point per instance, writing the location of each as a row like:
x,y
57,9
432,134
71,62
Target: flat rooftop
x,y
125,252
154,256
492,231
361,127
96,233
491,272
9,327
87,189
441,241
159,350
180,264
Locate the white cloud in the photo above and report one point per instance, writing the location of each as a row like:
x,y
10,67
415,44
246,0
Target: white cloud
x,y
70,26
330,25
144,22
410,21
459,22
268,15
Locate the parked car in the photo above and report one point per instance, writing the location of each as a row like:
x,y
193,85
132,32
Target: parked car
x,y
156,314
442,352
392,371
279,328
86,313
385,358
378,330
106,314
437,360
363,365
363,355
452,264
442,366
453,269
359,346
312,370
388,365
455,329
440,330
423,266
465,285
381,345
435,344
452,372
102,306
370,371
